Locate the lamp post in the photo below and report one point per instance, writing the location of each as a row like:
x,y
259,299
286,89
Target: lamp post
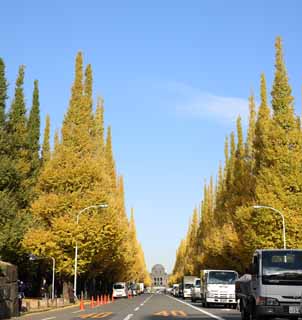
x,y
103,205
283,221
33,257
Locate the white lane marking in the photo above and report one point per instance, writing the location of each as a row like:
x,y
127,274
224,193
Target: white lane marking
x,y
147,299
77,311
200,310
136,309
49,318
142,304
129,316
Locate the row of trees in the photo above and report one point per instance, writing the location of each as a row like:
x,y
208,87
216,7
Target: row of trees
x,y
41,193
263,169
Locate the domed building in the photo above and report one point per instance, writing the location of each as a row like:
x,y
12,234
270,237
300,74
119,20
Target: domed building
x,y
159,276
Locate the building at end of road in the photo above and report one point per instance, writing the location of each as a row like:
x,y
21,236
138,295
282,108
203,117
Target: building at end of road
x,y
159,276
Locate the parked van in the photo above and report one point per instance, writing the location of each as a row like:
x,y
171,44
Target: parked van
x,y
120,290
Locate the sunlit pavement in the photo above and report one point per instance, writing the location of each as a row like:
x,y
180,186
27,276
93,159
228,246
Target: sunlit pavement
x,y
144,307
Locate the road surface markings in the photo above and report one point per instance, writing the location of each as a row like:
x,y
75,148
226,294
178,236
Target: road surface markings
x,y
147,300
142,304
173,313
136,309
102,315
129,316
49,318
198,309
178,313
95,315
85,316
162,313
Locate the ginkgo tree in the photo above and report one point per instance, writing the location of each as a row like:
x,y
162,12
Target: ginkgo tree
x,y
78,173
265,169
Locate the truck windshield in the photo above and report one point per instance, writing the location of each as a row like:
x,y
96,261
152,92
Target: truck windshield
x,y
282,267
222,277
118,286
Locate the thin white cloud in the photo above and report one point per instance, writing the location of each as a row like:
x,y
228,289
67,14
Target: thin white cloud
x,y
194,102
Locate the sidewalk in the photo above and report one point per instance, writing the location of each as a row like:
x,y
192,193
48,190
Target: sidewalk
x,y
31,306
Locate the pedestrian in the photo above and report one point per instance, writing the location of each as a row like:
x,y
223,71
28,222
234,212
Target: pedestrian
x,y
21,295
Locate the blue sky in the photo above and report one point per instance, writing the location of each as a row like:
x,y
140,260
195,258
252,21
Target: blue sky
x,y
174,76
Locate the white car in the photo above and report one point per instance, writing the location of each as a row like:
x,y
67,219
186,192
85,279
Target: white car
x,y
120,290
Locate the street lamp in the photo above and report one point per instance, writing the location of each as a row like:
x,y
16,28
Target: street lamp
x,y
283,221
102,205
33,257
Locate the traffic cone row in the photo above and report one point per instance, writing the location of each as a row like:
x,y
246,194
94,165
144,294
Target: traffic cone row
x,y
100,300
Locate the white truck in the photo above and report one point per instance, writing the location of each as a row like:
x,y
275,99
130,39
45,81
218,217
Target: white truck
x,y
274,286
195,290
141,287
218,287
175,289
187,284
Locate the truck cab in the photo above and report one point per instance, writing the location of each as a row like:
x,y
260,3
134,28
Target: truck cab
x,y
218,287
187,284
274,287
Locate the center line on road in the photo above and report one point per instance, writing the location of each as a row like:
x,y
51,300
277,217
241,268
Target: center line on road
x,y
200,310
147,299
49,318
129,316
142,304
136,309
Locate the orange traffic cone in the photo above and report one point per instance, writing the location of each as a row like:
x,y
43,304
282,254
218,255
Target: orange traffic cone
x,y
101,302
92,302
105,299
112,298
82,307
108,297
97,301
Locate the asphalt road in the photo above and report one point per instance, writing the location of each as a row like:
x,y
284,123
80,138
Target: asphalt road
x,y
144,307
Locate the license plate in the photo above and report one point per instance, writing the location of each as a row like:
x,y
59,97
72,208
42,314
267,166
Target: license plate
x,y
223,300
294,309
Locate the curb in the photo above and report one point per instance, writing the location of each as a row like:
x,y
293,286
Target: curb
x,y
35,312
